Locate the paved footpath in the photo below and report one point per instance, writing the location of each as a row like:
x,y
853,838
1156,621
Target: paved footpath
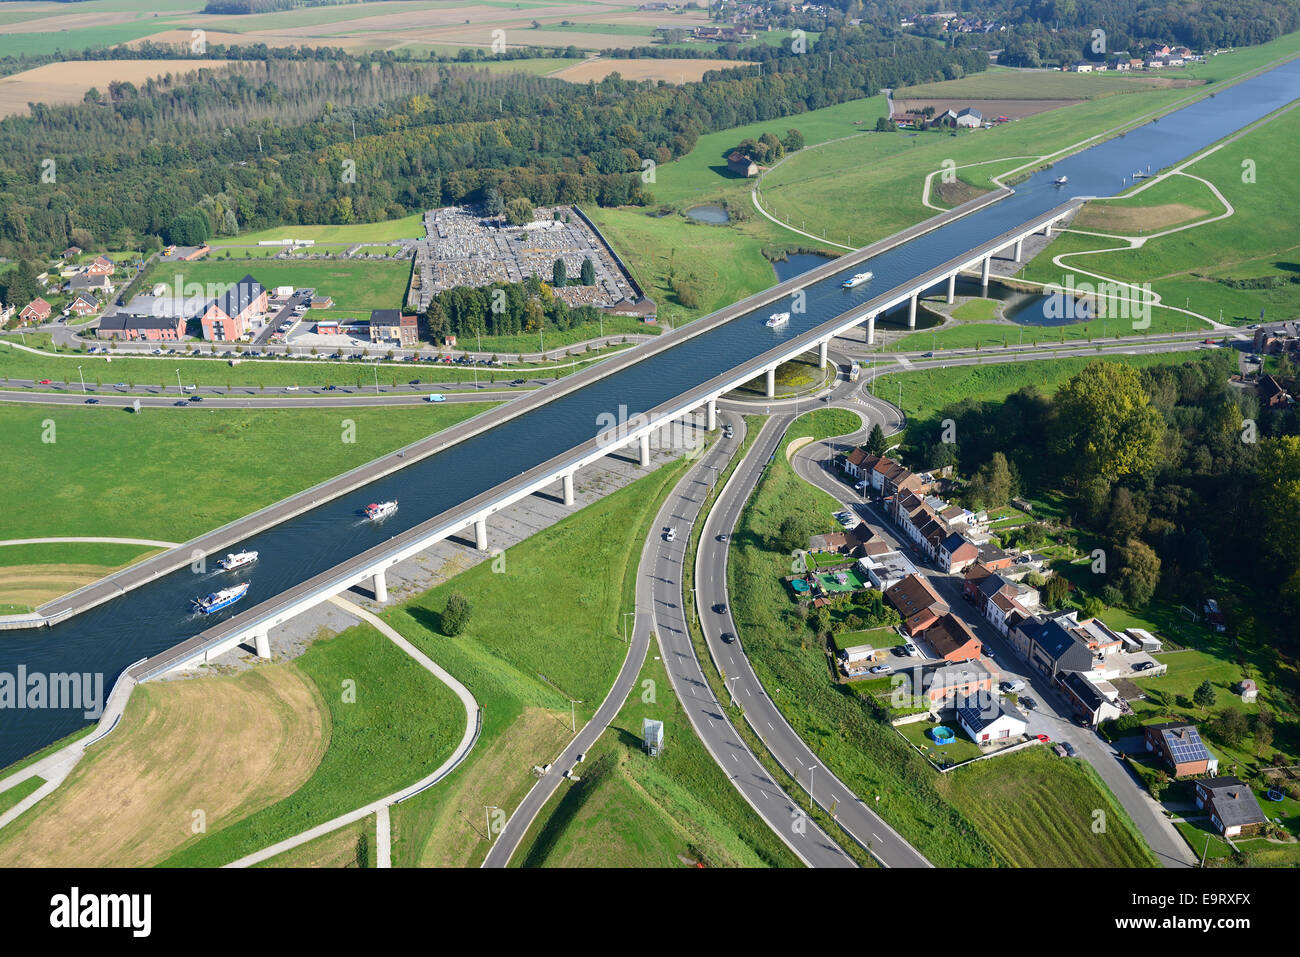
x,y
381,806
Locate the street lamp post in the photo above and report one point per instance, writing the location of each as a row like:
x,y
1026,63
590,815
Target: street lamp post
x,y
487,815
83,380
625,614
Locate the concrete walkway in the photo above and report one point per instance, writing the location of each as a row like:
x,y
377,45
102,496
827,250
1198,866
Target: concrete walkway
x,y
381,806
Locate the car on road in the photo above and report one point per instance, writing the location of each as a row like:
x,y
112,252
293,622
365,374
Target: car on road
x,y
517,382
330,388
720,608
196,398
435,397
927,355
1144,665
1011,687
291,388
92,401
728,637
723,537
670,534
45,382
1029,703
881,669
180,402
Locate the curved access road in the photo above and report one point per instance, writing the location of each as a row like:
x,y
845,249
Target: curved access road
x,y
659,614
380,807
851,812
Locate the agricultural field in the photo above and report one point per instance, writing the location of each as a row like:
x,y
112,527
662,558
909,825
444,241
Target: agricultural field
x,y
57,83
671,71
200,456
1003,83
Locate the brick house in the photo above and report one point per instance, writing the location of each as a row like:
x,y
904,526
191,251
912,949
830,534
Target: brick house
x,y
1180,747
942,684
917,603
952,639
226,318
129,328
84,305
102,266
38,310
956,554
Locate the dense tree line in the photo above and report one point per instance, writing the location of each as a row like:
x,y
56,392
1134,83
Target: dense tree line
x,y
1184,479
339,141
502,309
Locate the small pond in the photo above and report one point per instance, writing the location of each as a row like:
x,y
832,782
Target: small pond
x,y
715,215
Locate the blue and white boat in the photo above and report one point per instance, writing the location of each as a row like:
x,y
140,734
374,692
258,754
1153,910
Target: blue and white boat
x,y
777,319
221,599
857,279
236,560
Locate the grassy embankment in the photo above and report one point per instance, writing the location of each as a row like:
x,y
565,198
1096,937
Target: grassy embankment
x,y
576,579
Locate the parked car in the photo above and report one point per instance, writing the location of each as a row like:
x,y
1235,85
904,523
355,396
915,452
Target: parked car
x,y
1029,703
881,669
1041,737
912,650
1011,687
1144,665
1069,749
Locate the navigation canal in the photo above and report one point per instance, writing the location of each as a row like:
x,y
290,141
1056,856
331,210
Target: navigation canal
x,y
153,617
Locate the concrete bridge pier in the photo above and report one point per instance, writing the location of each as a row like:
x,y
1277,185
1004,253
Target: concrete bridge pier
x,y
984,275
911,310
1019,253
822,353
380,587
480,534
568,489
871,329
262,642
645,450
1047,230
771,382
711,412
952,289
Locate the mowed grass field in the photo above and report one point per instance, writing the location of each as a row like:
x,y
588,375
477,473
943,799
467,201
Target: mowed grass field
x,y
31,575
1002,83
399,725
350,846
632,810
1187,267
1039,810
224,747
356,287
103,463
408,227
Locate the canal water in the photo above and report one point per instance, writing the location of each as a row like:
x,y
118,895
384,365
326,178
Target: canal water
x,y
109,638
